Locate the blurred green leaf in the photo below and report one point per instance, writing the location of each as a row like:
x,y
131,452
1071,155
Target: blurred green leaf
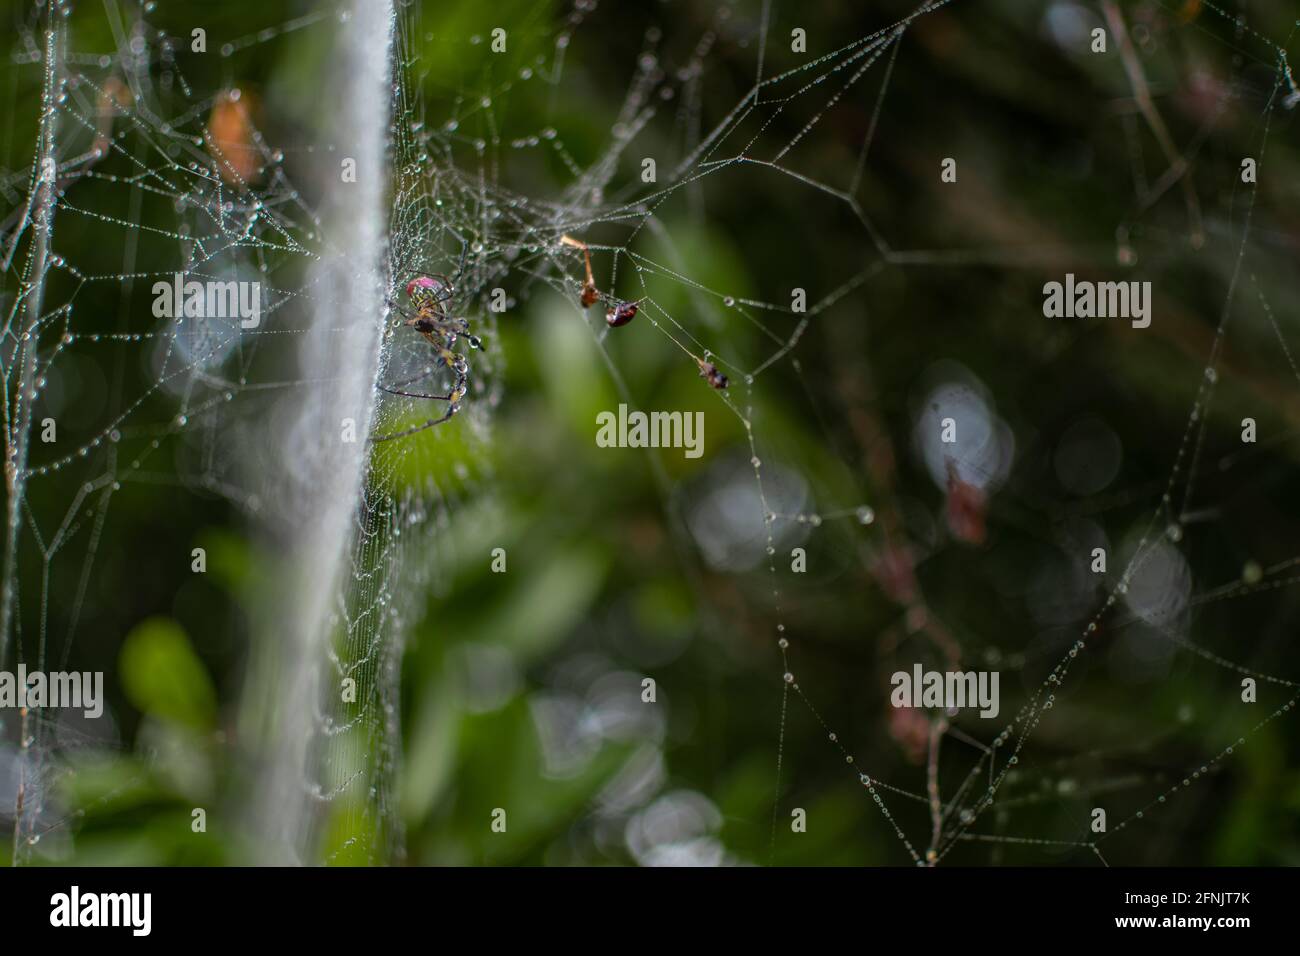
x,y
163,677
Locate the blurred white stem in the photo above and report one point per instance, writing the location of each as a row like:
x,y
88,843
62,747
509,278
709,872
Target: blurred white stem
x,y
326,477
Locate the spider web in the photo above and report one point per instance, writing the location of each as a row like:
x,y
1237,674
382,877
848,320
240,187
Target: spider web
x,y
253,415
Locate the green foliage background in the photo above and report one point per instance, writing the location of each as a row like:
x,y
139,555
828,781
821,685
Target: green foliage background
x,y
602,568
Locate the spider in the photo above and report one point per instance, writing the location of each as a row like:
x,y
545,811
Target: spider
x,y
430,318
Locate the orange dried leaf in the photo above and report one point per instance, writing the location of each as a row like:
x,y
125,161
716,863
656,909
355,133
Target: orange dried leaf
x,y
230,138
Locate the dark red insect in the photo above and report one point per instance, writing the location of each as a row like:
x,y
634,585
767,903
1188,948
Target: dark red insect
x,y
621,314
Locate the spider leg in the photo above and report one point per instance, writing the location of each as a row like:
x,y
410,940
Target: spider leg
x,y
413,316
409,381
461,380
464,250
396,307
429,370
446,292
451,410
397,391
460,367
449,285
460,327
453,400
463,329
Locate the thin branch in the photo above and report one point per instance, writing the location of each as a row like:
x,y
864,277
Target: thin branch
x,y
1178,167
937,729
